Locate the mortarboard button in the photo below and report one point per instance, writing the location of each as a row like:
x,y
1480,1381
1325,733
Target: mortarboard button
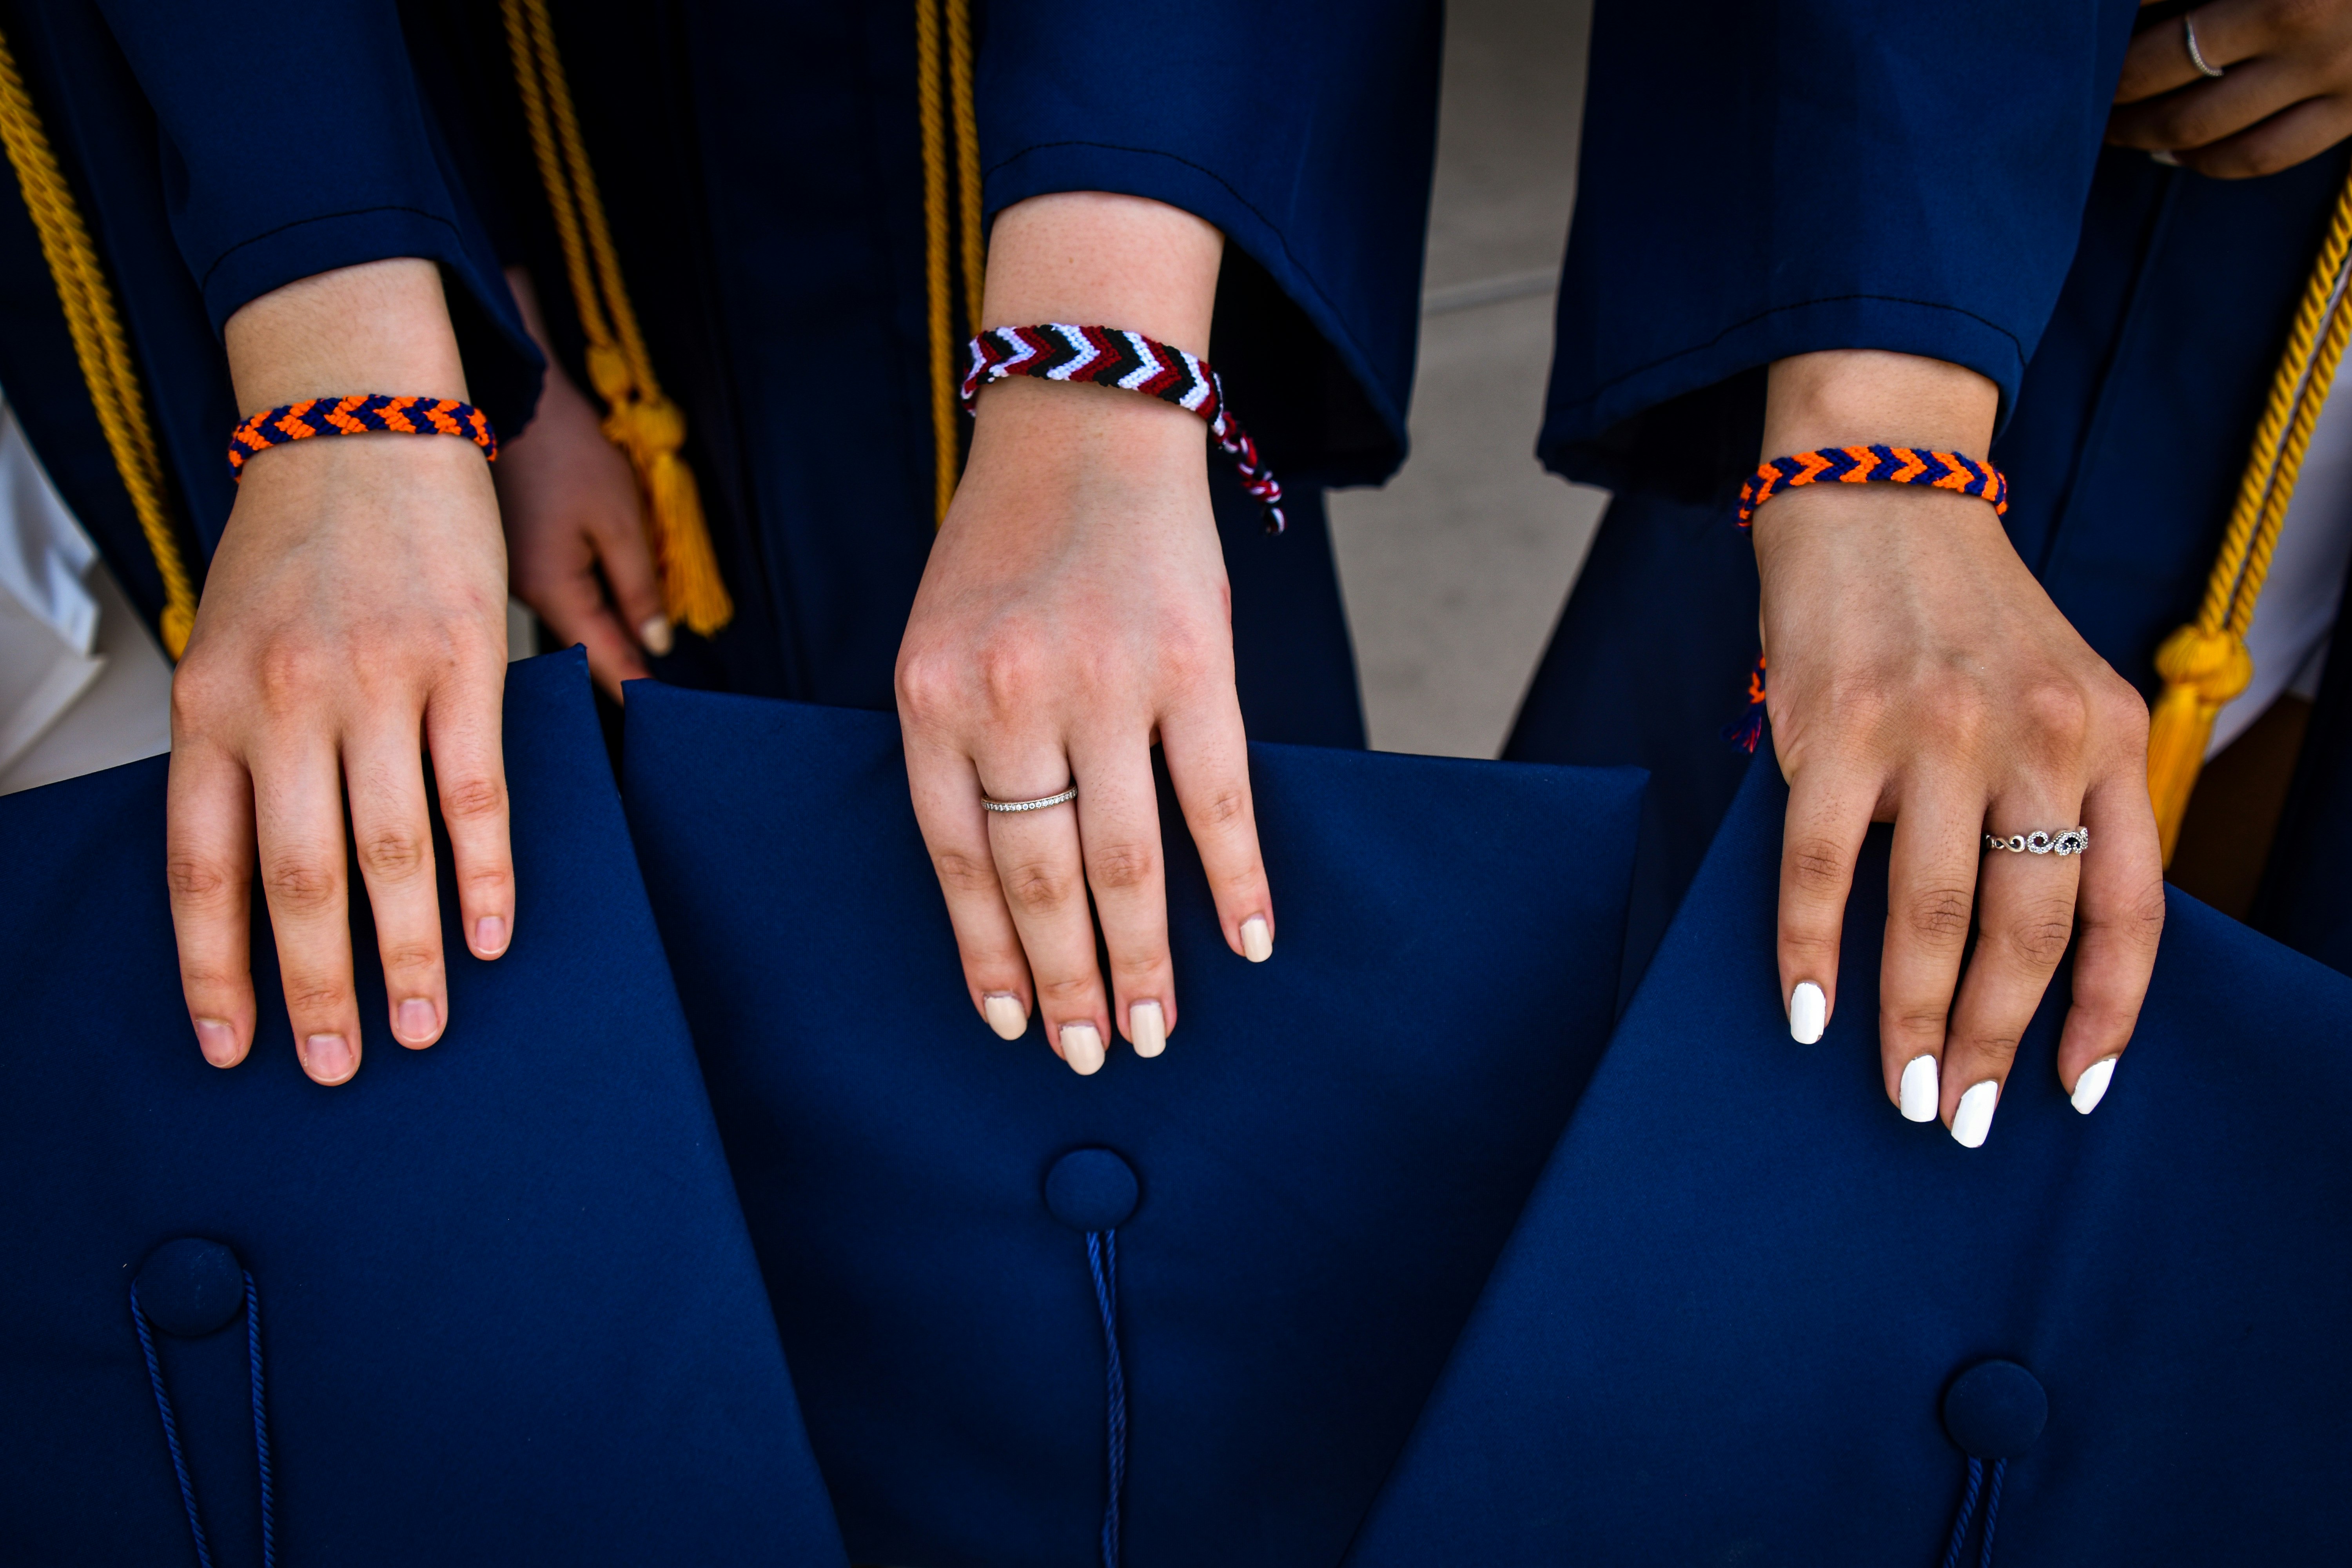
x,y
1995,1410
191,1287
1091,1190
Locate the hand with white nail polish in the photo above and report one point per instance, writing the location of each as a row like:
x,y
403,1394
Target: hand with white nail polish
x,y
1074,609
575,526
1920,676
353,616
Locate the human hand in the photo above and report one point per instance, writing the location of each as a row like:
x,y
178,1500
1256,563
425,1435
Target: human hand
x,y
571,509
356,609
2287,96
1919,675
1075,608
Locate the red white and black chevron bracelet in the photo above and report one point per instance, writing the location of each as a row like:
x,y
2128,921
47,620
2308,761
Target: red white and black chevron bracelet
x,y
356,415
1873,465
1113,356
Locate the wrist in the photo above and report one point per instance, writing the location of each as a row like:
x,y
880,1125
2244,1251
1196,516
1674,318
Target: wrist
x,y
1034,430
379,327
1860,397
1110,260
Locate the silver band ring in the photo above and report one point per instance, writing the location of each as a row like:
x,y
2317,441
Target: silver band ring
x,y
1040,804
2068,841
2197,56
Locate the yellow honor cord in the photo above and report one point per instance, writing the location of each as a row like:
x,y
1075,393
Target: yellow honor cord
x,y
936,107
99,345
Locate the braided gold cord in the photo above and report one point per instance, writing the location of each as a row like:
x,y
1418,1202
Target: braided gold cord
x,y
100,347
934,105
966,130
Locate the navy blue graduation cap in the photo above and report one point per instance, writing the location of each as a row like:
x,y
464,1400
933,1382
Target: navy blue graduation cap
x,y
1182,1312
491,1302
1751,1315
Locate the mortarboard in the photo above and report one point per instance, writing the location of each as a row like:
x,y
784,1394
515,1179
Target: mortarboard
x,y
495,1298
1751,1315
1284,1219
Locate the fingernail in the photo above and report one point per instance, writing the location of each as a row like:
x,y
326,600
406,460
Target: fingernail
x,y
490,935
1082,1048
2164,156
1921,1092
219,1042
655,634
1004,1015
1973,1120
418,1019
329,1057
1808,1011
1147,1025
1258,939
2092,1087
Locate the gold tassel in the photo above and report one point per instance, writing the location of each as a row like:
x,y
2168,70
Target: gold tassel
x,y
100,344
933,107
2205,664
639,419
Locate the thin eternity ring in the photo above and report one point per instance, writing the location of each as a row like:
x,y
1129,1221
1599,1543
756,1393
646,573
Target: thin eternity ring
x,y
1040,804
2070,841
2196,55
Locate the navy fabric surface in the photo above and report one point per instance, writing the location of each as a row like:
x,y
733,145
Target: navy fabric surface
x,y
1326,1158
1726,1326
508,1310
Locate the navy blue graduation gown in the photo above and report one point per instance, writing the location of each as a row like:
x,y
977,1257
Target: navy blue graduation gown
x,y
1937,190
503,1307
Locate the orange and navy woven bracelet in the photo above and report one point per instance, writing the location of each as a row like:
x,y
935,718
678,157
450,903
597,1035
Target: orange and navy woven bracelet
x,y
356,415
1113,356
1873,465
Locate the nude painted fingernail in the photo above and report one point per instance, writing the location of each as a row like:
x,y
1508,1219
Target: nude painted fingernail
x,y
417,1021
490,935
217,1041
329,1057
1808,1011
1921,1091
1082,1048
1003,1010
2164,157
1147,1025
1258,939
2092,1087
655,634
1973,1120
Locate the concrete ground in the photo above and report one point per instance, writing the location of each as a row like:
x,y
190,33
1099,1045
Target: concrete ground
x,y
1455,571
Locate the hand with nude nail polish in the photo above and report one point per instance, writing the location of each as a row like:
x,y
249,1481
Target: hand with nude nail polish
x,y
1920,676
354,617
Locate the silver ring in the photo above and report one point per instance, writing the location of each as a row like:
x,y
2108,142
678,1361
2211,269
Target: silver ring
x,y
1040,804
2068,841
2196,55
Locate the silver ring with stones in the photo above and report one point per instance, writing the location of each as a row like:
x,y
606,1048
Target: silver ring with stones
x,y
2197,56
2067,841
1040,804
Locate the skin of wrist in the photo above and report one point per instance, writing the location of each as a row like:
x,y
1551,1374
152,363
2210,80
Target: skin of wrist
x,y
381,326
1861,397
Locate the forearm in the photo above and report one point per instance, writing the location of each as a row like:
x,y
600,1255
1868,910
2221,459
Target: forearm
x,y
381,326
1860,397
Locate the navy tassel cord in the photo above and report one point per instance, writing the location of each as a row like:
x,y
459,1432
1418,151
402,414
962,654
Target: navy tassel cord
x,y
1102,1259
1968,1510
260,1427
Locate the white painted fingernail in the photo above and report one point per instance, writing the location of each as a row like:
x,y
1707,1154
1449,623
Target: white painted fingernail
x,y
655,634
1257,940
1082,1048
1147,1025
1973,1120
1004,1015
1921,1091
2092,1087
1808,1011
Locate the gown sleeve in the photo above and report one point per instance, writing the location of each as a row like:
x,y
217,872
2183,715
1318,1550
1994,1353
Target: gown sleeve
x,y
1304,130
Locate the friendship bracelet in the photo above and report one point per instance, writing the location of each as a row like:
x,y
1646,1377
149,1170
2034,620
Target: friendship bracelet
x,y
355,416
1869,464
1112,356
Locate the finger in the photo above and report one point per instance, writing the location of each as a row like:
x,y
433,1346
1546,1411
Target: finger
x,y
628,559
2284,140
1207,752
946,792
392,835
462,720
2210,110
1042,870
2157,59
298,818
208,866
1829,812
2119,916
1118,831
1930,893
575,609
2025,921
